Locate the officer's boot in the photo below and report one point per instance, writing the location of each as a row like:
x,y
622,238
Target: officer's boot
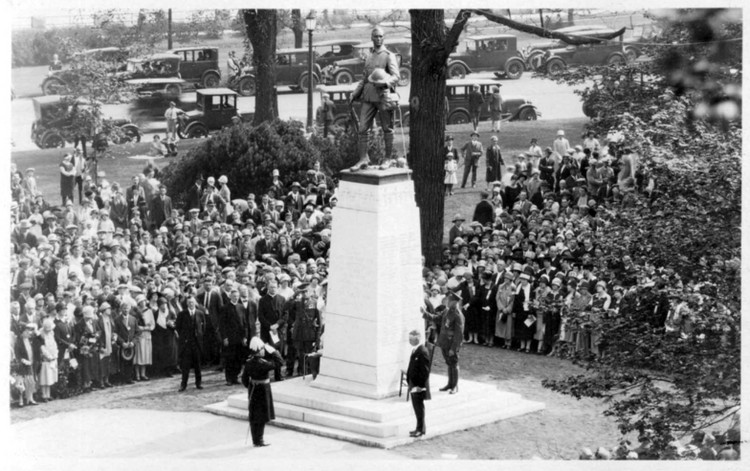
x,y
388,158
364,159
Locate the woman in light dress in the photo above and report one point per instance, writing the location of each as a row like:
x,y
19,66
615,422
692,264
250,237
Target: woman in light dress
x,y
48,371
143,348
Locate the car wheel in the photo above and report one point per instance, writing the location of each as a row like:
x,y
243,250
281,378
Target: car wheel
x,y
52,140
341,120
631,53
246,87
343,77
616,60
172,90
456,71
527,114
304,82
53,86
458,117
211,80
404,76
197,131
514,69
129,134
555,67
535,60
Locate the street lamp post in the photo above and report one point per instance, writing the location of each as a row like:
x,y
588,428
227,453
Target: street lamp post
x,y
310,26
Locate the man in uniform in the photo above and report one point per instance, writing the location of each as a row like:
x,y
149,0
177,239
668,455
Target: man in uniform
x,y
381,75
451,336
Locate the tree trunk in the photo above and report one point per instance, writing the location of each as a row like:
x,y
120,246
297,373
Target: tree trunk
x,y
431,45
298,27
261,28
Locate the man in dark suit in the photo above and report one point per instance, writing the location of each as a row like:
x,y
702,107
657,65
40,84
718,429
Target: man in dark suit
x,y
193,199
161,207
126,327
233,330
301,245
418,378
211,300
484,212
295,201
494,162
272,315
190,326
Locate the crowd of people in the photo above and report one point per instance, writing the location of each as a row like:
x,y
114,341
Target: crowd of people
x,y
530,259
99,288
122,284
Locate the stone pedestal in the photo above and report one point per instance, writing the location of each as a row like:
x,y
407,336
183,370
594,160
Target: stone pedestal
x,y
374,284
374,296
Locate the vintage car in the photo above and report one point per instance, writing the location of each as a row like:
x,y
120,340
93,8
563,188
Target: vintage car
x,y
291,70
340,96
58,78
556,61
51,113
215,108
330,51
457,93
535,53
199,65
643,35
350,70
157,75
493,52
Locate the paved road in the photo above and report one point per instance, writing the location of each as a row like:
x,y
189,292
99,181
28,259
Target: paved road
x,y
553,100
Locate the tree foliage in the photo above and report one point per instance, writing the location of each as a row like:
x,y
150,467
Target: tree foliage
x,y
672,359
248,155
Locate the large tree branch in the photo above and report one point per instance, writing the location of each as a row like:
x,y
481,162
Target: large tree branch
x,y
543,32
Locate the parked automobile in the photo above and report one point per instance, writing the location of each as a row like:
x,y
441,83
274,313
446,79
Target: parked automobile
x,y
215,108
556,61
59,78
351,70
157,75
457,93
493,52
535,53
51,116
199,65
643,35
291,70
330,51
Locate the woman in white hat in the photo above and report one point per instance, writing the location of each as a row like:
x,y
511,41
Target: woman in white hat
x,y
48,371
264,359
143,348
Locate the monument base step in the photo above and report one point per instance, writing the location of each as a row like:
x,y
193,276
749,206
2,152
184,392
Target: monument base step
x,y
382,423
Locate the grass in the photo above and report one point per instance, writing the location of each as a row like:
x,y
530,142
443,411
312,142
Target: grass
x,y
514,138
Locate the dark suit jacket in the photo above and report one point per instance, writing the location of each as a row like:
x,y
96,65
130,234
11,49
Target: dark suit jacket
x,y
190,330
161,209
193,199
484,213
494,157
451,329
418,371
215,304
252,321
126,332
271,310
303,247
233,323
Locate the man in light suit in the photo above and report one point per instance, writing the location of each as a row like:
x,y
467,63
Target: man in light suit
x,y
190,326
418,378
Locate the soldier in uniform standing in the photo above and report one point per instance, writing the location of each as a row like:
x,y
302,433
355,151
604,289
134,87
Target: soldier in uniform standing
x,y
451,336
264,358
381,75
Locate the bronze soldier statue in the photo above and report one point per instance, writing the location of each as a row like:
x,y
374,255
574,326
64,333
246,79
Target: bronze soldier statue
x,y
375,91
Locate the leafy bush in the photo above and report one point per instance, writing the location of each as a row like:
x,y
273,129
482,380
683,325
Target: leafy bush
x,y
248,155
